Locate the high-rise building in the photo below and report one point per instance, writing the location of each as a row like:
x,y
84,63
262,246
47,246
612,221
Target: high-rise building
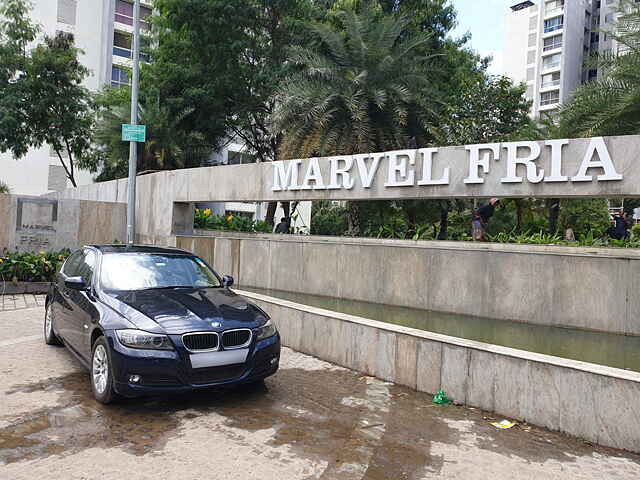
x,y
547,44
103,30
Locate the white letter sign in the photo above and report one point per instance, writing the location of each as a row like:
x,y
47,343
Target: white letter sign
x,y
427,168
597,145
398,166
533,175
475,162
343,173
285,175
366,175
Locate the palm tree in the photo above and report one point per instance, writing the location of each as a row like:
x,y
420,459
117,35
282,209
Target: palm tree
x,y
362,87
611,106
164,148
4,188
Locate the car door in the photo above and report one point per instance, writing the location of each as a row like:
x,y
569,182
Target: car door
x,y
83,309
62,307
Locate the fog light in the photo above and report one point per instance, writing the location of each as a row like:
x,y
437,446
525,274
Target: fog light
x,y
134,378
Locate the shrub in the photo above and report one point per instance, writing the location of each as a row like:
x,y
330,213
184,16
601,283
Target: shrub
x,y
31,267
328,218
203,219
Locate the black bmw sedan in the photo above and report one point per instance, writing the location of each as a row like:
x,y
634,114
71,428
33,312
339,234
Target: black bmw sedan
x,y
148,320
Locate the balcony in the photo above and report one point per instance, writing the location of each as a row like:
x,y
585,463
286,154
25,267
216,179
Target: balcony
x,y
127,53
551,65
553,28
553,46
553,11
552,83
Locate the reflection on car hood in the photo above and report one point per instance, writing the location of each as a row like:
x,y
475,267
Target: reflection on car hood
x,y
186,310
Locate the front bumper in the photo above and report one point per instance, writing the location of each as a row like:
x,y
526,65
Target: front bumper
x,y
166,371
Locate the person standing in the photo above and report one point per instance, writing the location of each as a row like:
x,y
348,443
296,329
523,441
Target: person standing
x,y
621,228
284,225
481,218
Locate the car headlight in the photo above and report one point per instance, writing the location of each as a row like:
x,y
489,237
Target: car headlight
x,y
266,331
141,339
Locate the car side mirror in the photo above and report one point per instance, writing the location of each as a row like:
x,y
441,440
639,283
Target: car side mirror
x,y
227,281
75,283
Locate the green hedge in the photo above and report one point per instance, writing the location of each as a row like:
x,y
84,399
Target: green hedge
x,y
31,267
203,219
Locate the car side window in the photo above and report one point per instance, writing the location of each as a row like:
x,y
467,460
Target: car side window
x,y
86,266
70,268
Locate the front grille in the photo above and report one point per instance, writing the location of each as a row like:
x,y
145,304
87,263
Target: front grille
x,y
200,341
201,376
236,338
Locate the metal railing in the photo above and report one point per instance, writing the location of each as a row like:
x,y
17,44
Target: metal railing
x,y
553,28
553,46
552,83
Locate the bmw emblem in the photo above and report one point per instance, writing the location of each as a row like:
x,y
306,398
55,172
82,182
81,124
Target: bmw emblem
x,y
216,324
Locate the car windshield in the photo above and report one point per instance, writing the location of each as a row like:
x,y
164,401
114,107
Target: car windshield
x,y
142,271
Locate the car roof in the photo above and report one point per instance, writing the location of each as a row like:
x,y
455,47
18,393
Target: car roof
x,y
120,248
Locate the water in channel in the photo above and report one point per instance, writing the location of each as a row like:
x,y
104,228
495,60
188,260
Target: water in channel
x,y
619,351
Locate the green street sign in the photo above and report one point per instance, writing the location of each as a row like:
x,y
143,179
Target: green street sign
x,y
133,133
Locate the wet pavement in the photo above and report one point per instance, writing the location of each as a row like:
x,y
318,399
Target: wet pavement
x,y
312,420
20,300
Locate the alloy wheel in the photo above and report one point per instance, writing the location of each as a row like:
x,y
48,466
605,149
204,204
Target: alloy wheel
x,y
48,321
100,369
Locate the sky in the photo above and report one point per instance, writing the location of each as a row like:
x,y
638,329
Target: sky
x,y
484,19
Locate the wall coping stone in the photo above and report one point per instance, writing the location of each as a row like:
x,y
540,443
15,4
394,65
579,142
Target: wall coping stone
x,y
562,250
486,347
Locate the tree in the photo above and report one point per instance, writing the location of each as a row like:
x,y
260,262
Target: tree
x,y
486,109
59,108
611,105
164,148
42,97
361,87
4,188
16,32
222,62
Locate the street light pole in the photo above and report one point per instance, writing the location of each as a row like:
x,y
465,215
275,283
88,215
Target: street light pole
x,y
133,146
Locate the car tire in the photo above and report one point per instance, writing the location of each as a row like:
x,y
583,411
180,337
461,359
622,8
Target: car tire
x,y
102,372
50,337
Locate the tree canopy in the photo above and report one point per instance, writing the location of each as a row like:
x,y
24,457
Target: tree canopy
x,y
42,99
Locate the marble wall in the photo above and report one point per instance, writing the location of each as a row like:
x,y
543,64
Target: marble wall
x,y
586,288
593,402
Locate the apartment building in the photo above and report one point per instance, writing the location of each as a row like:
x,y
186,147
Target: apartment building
x,y
103,30
547,44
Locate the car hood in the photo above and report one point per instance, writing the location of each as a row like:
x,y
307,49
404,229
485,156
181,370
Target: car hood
x,y
186,310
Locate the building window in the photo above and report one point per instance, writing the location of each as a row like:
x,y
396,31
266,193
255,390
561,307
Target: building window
x,y
124,14
552,61
122,46
119,77
608,18
553,24
550,80
67,11
549,98
552,43
555,6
